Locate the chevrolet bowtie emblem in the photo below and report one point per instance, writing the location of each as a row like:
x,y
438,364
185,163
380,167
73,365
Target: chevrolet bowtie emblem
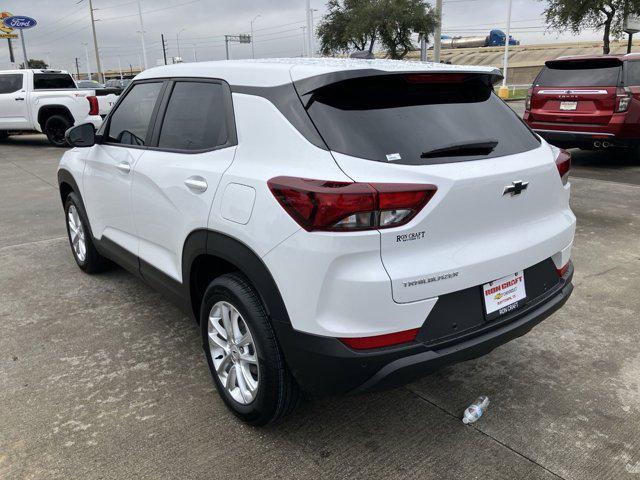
x,y
516,188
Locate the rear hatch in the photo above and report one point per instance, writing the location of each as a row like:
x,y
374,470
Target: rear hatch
x,y
579,91
451,131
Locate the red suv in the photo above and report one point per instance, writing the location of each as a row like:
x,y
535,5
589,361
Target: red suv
x,y
587,102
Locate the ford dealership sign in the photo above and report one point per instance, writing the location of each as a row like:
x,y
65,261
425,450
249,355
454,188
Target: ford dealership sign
x,y
19,22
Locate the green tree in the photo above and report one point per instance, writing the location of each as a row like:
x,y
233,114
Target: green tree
x,y
576,15
35,63
359,24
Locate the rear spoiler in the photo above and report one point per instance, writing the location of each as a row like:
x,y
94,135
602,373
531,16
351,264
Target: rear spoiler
x,y
576,63
307,86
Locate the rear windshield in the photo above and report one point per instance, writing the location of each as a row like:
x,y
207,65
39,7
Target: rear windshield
x,y
580,74
51,81
394,118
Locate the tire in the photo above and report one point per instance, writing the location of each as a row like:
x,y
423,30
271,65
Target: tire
x,y
55,127
275,393
80,237
3,135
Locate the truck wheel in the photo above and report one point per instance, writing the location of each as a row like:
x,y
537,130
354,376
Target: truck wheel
x,y
55,127
244,358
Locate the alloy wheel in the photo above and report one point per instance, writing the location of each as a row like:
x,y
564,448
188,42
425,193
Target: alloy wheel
x,y
76,233
233,352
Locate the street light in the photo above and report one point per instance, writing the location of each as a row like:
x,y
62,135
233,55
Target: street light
x,y
178,41
253,53
503,92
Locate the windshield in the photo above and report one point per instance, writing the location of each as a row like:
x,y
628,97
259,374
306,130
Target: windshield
x,y
580,74
399,119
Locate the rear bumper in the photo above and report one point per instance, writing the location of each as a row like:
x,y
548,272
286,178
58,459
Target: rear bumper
x,y
569,139
325,366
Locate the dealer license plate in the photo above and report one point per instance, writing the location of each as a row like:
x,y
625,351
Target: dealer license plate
x,y
504,295
568,105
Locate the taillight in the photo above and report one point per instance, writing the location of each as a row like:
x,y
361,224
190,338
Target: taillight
x,y
623,99
379,341
320,205
563,162
94,108
562,271
527,102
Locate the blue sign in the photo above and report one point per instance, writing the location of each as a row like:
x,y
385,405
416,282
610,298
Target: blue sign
x,y
19,22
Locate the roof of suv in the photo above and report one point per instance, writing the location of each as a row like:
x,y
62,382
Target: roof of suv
x,y
622,57
279,71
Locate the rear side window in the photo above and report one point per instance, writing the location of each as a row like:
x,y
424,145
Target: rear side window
x,y
129,123
195,118
52,81
602,73
396,118
10,83
633,73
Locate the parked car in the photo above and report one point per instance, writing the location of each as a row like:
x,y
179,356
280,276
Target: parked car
x,y
116,83
334,226
44,101
89,84
587,102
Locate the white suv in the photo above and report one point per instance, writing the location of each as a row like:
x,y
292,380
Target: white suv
x,y
335,226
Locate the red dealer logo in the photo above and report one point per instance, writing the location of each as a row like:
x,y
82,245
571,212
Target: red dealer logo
x,y
503,286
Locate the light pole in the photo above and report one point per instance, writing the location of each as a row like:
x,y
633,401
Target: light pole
x,y
178,41
309,28
253,52
504,90
144,48
195,55
86,52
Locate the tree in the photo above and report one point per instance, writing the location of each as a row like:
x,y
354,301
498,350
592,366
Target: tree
x,y
359,24
576,15
37,64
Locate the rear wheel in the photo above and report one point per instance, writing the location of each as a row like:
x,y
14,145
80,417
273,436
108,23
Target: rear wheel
x,y
80,239
3,135
244,358
55,127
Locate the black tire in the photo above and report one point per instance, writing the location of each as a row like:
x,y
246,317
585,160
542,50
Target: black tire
x,y
92,262
3,135
278,393
55,127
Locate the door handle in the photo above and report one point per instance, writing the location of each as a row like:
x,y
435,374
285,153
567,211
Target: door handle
x,y
19,99
197,184
124,167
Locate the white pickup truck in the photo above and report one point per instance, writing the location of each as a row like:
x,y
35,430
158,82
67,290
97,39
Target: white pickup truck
x,y
45,101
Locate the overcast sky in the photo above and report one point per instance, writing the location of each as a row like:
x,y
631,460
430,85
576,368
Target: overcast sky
x,y
64,27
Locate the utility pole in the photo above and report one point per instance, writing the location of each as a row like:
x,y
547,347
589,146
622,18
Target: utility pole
x,y
504,91
195,55
164,48
226,46
95,42
144,48
423,47
77,70
309,29
253,52
86,52
437,40
120,68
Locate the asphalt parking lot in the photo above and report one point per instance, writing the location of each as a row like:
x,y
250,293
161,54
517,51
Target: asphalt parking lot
x,y
100,377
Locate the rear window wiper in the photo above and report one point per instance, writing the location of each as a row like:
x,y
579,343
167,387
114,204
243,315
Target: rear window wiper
x,y
476,147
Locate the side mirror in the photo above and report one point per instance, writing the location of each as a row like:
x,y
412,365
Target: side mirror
x,y
81,136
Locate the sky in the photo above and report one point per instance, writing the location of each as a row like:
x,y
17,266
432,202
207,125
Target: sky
x,y
197,28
